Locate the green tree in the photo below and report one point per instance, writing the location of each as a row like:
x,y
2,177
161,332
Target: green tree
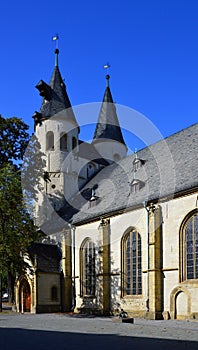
x,y
14,139
17,228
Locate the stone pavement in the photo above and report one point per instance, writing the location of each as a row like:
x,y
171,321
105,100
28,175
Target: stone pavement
x,y
53,331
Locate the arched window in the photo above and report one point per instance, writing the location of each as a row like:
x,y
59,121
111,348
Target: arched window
x,y
63,142
189,247
50,141
131,268
54,293
87,268
74,143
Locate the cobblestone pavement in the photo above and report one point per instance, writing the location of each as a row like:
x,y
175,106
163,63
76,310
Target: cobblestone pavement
x,y
50,331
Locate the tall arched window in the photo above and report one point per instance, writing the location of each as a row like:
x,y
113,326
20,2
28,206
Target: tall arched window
x,y
87,268
63,142
189,247
49,141
131,268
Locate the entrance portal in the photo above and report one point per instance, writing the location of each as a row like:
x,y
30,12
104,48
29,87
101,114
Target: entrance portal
x,y
24,297
181,310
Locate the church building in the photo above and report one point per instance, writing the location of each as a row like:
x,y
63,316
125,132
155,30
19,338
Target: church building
x,y
121,230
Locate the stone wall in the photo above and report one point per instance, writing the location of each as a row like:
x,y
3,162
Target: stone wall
x,y
161,259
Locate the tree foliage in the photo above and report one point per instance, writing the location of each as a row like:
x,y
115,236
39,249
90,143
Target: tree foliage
x,y
17,228
14,139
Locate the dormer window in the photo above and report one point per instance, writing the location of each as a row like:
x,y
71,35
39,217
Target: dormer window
x,y
45,90
136,185
37,118
93,199
137,163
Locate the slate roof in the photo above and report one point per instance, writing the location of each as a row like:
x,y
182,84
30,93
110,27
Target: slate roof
x,y
59,99
169,168
48,256
108,126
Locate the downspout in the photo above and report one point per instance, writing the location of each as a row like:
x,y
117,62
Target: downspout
x,y
73,229
147,256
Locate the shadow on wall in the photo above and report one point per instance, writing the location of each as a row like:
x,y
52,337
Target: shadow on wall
x,y
94,305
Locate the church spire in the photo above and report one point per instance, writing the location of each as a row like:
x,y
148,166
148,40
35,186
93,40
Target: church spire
x,y
55,97
56,57
108,125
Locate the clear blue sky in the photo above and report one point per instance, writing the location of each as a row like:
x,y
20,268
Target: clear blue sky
x,y
152,46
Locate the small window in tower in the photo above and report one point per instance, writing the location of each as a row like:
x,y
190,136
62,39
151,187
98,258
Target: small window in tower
x,y
50,141
74,144
63,142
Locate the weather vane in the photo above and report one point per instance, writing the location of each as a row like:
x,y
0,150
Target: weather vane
x,y
107,66
55,38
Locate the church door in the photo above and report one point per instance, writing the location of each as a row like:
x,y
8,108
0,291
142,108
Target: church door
x,y
25,297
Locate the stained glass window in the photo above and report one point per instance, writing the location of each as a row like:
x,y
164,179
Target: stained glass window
x,y
132,264
88,274
191,247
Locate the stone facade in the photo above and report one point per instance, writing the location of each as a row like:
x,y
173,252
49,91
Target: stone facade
x,y
161,286
128,225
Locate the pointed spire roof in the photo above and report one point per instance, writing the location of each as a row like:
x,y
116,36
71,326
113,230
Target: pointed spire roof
x,y
108,126
57,99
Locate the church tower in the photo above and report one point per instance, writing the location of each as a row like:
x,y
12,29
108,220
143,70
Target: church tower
x,y
57,133
108,138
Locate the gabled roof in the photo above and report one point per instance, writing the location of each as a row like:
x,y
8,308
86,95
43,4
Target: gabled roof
x,y
108,125
47,256
169,168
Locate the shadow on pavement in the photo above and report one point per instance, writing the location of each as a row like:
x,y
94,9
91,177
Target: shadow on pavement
x,y
22,339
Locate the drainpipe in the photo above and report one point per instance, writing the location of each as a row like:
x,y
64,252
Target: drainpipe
x,y
147,255
73,229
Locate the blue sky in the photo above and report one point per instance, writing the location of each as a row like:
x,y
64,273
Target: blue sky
x,y
152,47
